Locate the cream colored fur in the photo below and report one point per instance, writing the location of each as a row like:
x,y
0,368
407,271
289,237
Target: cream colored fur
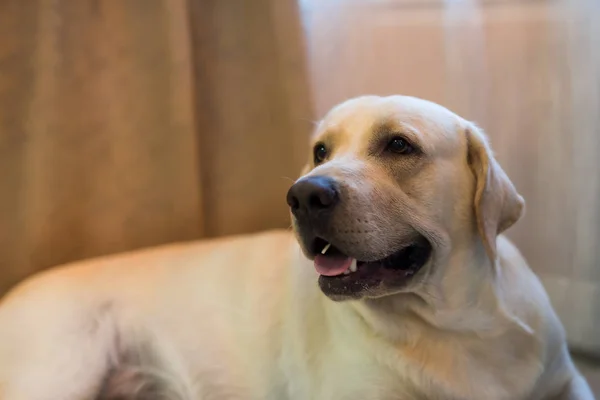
x,y
243,317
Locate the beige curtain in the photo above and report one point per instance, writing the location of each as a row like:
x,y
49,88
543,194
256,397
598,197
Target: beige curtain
x,y
126,124
253,108
526,71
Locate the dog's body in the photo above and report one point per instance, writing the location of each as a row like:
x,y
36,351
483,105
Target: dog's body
x,y
243,318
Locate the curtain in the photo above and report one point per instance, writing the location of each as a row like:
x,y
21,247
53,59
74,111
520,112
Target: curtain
x,y
127,124
528,72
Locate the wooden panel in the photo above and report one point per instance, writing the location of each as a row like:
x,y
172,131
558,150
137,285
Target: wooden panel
x,y
253,110
98,151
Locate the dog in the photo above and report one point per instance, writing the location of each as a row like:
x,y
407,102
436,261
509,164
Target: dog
x,y
395,282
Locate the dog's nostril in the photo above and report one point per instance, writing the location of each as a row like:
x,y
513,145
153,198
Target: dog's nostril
x,y
321,200
293,202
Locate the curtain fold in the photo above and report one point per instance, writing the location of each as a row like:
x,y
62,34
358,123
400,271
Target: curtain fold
x,y
127,124
253,108
97,141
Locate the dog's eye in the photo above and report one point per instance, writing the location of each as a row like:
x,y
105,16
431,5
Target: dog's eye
x,y
400,146
320,153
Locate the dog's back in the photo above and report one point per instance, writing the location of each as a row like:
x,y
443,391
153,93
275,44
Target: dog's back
x,y
133,326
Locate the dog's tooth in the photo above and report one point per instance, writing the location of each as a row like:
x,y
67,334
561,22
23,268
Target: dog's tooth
x,y
327,246
353,266
347,272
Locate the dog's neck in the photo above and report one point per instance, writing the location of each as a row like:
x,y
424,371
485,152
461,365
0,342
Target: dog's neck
x,y
461,295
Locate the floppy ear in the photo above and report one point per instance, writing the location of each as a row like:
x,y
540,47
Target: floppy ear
x,y
497,204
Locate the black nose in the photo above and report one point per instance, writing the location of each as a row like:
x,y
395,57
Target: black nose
x,y
313,194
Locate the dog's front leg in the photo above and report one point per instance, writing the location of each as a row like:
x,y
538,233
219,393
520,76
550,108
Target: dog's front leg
x,y
576,389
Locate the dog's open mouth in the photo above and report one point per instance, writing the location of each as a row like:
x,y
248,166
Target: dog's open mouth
x,y
344,276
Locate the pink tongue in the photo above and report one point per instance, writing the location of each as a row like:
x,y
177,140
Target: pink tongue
x,y
332,265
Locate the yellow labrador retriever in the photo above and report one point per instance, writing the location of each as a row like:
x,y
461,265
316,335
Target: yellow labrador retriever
x,y
404,289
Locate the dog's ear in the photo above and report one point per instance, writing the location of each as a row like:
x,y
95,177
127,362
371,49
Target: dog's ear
x,y
497,205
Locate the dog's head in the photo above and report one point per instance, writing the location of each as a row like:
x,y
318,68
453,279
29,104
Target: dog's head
x,y
394,185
